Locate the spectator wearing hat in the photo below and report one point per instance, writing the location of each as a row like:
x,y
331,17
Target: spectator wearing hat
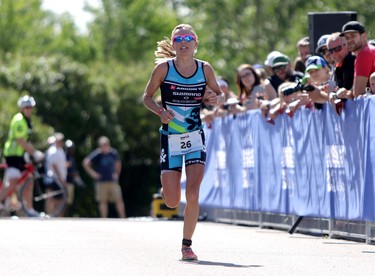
x,y
356,40
268,66
56,169
303,48
319,75
282,68
322,50
231,100
344,59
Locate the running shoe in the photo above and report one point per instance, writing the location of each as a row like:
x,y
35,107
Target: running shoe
x,y
188,254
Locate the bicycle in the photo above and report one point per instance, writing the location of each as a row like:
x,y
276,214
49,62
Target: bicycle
x,y
31,178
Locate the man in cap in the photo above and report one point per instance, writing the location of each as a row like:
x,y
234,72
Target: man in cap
x,y
322,50
282,68
268,63
356,40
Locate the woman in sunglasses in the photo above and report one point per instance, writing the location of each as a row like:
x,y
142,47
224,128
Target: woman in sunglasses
x,y
250,88
182,80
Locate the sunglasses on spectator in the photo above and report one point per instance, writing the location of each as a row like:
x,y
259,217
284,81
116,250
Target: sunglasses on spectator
x,y
248,74
278,69
187,38
324,51
336,49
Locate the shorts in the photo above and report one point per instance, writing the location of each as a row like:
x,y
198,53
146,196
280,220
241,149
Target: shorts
x,y
16,165
174,163
70,190
109,191
12,173
54,187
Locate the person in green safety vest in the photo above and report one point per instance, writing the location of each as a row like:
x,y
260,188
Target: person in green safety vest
x,y
17,144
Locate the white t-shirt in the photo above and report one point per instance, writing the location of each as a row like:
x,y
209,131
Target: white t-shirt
x,y
56,156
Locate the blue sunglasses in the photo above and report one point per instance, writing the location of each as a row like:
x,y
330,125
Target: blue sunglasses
x,y
187,38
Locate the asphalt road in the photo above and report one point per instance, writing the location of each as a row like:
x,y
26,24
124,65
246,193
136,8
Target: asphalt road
x,y
145,246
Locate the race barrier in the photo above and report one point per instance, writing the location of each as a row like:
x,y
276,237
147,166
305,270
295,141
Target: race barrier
x,y
315,164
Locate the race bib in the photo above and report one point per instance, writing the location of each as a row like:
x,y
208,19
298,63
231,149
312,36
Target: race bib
x,y
180,144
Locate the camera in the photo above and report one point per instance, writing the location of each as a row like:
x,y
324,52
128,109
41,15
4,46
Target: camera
x,y
289,90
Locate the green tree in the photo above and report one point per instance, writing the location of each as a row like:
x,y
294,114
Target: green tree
x,y
127,30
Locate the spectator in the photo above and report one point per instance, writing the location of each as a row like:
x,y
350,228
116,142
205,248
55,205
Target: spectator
x,y
249,86
282,68
56,170
231,101
303,47
73,178
356,39
319,73
322,50
209,112
273,78
104,166
224,86
17,145
344,59
259,69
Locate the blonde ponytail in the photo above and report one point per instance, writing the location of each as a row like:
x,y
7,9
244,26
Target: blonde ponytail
x,y
164,50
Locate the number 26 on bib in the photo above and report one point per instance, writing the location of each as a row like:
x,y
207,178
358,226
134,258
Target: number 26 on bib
x,y
180,144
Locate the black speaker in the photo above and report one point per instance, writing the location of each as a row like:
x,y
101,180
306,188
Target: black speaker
x,y
321,23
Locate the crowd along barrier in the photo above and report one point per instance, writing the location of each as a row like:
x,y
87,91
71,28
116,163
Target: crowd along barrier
x,y
317,164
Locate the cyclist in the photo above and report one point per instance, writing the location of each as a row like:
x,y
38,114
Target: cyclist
x,y
17,145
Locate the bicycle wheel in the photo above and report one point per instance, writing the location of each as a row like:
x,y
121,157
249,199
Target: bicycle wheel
x,y
39,200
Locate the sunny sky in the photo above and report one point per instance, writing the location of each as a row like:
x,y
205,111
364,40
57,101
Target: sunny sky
x,y
74,7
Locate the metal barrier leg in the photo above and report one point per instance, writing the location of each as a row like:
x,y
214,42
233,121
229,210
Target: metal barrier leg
x,y
368,232
298,221
330,228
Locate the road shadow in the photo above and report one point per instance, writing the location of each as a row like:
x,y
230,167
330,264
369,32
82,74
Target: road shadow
x,y
202,262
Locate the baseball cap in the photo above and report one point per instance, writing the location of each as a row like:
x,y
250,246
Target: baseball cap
x,y
315,62
280,60
352,26
270,57
322,41
58,136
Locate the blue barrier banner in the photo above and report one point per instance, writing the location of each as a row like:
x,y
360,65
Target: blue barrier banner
x,y
317,163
